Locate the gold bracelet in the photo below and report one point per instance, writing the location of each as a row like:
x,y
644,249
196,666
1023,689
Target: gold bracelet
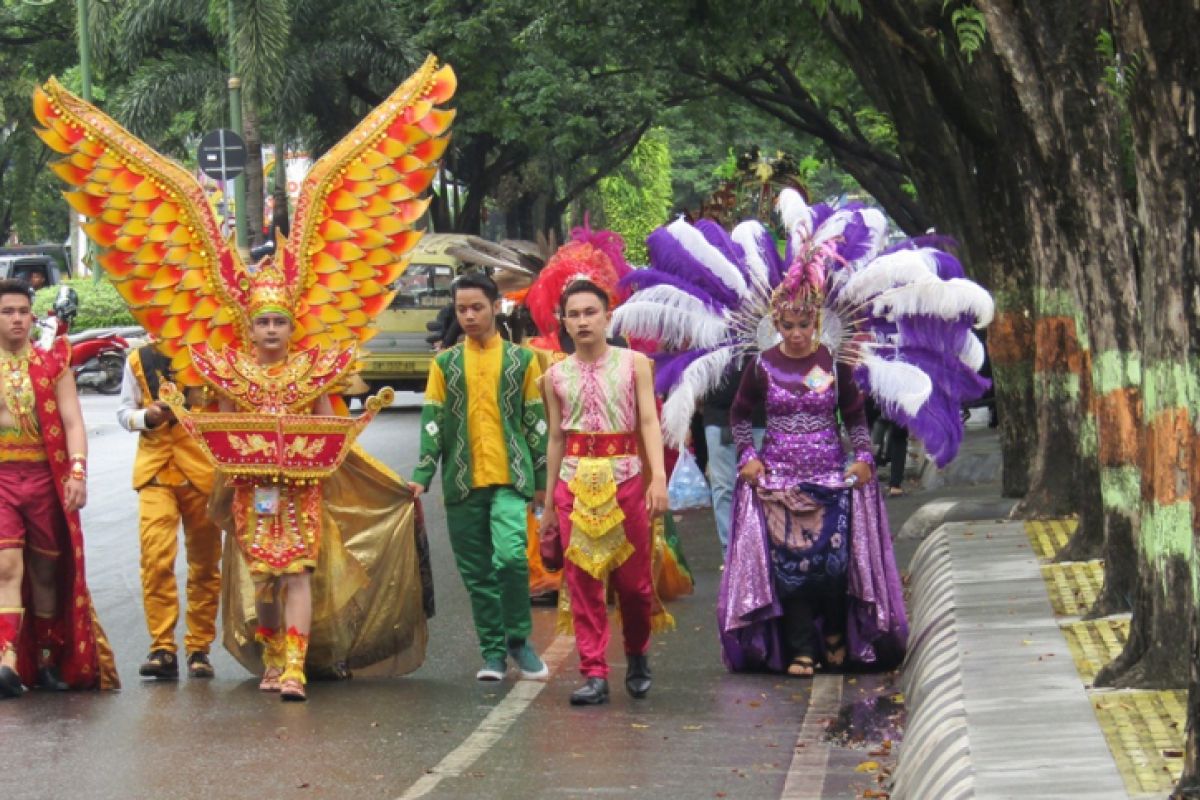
x,y
78,457
78,472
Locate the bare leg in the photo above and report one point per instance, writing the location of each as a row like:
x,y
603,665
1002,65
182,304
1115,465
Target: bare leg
x,y
298,601
42,588
12,568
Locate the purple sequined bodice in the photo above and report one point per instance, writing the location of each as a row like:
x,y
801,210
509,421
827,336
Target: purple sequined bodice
x,y
802,441
802,398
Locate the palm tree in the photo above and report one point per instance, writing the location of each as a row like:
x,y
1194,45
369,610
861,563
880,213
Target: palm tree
x,y
310,69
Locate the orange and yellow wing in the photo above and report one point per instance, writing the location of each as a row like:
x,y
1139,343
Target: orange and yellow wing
x,y
355,218
158,238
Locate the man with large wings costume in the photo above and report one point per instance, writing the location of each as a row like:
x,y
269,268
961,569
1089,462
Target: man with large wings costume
x,y
354,226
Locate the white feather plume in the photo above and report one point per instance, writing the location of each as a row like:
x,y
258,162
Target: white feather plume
x,y
795,213
700,378
747,234
671,317
876,222
972,352
894,269
945,299
896,382
833,226
710,257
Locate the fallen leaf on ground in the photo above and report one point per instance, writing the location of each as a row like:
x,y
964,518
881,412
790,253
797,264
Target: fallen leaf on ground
x,y
638,725
867,766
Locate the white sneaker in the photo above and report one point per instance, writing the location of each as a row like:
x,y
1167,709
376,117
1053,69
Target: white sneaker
x,y
492,670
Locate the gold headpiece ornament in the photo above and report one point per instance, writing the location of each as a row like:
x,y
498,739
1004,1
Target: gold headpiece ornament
x,y
269,291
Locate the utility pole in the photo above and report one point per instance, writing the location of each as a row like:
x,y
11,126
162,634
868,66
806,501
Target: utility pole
x,y
235,122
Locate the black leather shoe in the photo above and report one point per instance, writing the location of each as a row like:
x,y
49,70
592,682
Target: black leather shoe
x,y
199,666
160,664
10,683
592,693
48,679
637,677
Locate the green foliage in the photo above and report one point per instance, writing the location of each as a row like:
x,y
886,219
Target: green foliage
x,y
99,304
32,48
638,198
1121,71
970,28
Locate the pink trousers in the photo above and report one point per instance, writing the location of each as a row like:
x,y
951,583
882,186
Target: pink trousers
x,y
631,580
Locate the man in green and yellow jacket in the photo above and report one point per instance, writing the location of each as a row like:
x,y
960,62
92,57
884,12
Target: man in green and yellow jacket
x,y
484,422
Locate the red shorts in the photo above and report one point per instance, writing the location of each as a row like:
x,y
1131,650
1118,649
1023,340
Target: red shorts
x,y
30,512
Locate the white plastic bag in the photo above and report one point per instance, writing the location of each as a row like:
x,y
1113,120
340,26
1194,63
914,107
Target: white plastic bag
x,y
687,488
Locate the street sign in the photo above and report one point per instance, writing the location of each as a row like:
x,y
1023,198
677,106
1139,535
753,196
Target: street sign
x,y
222,155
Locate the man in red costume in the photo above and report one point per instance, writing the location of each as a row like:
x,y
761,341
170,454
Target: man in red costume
x,y
43,472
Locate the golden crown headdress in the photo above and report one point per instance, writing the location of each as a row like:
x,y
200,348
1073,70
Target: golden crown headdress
x,y
269,291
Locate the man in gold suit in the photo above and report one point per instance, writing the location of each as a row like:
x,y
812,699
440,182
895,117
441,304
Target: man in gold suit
x,y
173,480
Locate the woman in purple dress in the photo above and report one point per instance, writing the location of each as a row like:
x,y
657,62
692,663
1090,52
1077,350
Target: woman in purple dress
x,y
810,568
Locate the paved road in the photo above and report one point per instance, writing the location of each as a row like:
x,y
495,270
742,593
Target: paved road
x,y
436,733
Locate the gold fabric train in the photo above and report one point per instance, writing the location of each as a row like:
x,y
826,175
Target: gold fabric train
x,y
372,588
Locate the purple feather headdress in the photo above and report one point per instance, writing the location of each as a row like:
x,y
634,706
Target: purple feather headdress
x,y
900,316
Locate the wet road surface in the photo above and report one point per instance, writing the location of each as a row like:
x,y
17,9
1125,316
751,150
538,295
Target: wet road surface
x,y
436,733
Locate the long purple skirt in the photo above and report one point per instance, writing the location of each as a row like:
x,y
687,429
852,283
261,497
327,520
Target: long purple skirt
x,y
748,608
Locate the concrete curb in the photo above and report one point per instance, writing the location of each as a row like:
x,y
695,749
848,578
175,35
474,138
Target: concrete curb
x,y
935,756
931,516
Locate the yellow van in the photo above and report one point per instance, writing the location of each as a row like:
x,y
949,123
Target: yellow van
x,y
398,356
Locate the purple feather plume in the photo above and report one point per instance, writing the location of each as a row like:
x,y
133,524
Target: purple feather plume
x,y
669,367
668,255
645,278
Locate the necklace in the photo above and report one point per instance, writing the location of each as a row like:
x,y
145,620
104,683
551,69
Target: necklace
x,y
16,388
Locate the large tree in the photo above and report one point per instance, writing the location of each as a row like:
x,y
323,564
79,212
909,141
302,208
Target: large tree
x,y
31,49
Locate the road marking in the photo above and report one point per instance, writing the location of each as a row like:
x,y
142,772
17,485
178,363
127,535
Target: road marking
x,y
493,726
810,756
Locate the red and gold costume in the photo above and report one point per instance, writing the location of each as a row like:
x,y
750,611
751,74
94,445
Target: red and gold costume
x,y
349,241
34,468
598,256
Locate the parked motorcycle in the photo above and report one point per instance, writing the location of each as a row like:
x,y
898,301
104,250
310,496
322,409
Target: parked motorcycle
x,y
97,356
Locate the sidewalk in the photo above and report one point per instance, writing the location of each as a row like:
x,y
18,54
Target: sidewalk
x,y
997,681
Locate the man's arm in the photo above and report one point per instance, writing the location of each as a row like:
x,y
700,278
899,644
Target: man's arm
x,y
656,492
554,450
130,414
431,430
75,495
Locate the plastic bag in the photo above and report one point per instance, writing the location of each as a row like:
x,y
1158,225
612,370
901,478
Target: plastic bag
x,y
687,488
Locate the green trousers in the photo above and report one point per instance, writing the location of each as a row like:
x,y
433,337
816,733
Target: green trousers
x,y
488,535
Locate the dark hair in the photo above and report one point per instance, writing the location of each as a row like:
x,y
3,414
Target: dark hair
x,y
476,280
16,286
581,286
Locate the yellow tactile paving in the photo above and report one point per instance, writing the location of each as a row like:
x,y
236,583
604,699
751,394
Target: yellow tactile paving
x,y
1073,586
1095,642
1049,536
1145,732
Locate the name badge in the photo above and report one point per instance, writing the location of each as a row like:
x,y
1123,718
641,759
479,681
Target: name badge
x,y
266,500
818,380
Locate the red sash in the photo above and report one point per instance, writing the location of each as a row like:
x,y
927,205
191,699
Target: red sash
x,y
601,445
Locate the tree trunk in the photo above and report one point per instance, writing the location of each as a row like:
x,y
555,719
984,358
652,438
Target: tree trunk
x,y
1158,43
254,170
